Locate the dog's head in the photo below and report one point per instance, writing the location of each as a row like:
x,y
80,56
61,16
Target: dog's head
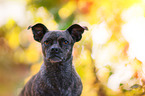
x,y
57,45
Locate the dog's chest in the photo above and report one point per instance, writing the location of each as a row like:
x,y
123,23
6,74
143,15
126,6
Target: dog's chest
x,y
60,80
57,83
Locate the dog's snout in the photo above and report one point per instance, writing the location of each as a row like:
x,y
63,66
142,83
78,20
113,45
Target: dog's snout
x,y
55,50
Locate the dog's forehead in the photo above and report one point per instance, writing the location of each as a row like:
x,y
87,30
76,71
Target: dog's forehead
x,y
56,34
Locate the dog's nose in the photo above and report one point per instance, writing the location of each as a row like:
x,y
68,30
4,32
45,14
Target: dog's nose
x,y
55,50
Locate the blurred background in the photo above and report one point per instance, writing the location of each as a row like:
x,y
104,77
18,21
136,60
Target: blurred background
x,y
110,58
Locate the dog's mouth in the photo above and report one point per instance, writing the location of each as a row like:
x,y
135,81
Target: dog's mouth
x,y
55,59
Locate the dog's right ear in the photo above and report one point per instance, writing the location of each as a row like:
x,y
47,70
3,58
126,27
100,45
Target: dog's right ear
x,y
38,31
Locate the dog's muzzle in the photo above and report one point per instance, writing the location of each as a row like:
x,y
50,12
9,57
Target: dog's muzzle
x,y
55,55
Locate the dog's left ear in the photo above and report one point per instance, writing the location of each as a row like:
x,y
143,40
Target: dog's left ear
x,y
76,31
38,31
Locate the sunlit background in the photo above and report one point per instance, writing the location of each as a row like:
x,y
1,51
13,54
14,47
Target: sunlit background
x,y
110,58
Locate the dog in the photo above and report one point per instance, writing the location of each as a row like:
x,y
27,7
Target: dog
x,y
57,76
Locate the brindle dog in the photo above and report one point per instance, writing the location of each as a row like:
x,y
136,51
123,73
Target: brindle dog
x,y
57,75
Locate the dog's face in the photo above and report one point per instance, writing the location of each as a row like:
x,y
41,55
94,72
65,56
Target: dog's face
x,y
57,45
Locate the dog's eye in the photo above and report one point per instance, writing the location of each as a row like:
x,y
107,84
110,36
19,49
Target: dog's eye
x,y
47,42
65,42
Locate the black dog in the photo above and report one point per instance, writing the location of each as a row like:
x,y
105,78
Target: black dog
x,y
57,75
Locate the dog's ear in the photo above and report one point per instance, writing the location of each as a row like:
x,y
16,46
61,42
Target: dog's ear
x,y
76,31
38,31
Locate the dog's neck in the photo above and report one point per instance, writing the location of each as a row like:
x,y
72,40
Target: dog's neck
x,y
57,68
